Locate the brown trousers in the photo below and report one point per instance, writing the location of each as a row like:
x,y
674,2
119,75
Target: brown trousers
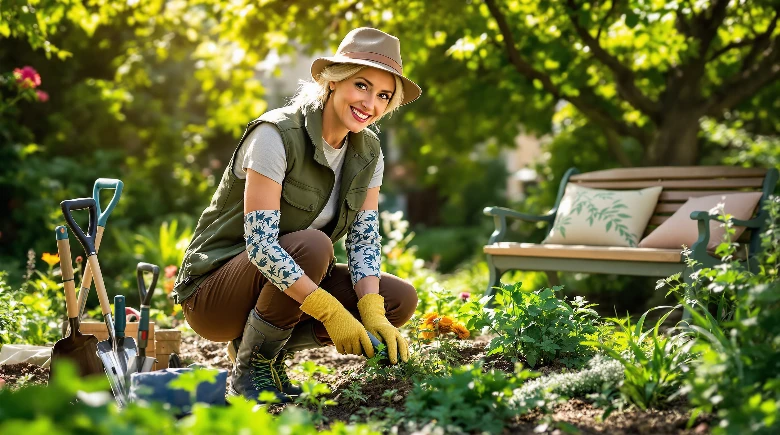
x,y
219,307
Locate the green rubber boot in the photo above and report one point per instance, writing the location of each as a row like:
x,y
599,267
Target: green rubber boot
x,y
302,337
254,371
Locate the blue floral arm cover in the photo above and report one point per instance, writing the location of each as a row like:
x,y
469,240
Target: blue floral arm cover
x,y
261,232
363,246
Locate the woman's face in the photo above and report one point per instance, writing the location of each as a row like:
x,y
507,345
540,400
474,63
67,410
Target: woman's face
x,y
359,100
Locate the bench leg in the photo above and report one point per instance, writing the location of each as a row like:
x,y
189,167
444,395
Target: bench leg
x,y
552,278
494,280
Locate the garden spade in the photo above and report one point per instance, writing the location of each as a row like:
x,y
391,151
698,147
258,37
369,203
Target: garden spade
x,y
142,363
105,348
124,346
76,347
86,282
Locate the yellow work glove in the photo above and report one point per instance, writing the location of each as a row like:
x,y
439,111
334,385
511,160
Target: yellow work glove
x,y
344,329
372,311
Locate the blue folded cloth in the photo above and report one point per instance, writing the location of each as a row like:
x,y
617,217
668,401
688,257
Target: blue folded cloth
x,y
153,386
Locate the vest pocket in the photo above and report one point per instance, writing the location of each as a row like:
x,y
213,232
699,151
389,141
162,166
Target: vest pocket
x,y
300,195
356,198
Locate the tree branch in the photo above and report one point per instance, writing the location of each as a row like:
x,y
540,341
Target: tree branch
x,y
587,102
624,76
762,41
612,8
728,47
748,82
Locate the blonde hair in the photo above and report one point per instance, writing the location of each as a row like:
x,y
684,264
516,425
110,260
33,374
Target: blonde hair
x,y
312,94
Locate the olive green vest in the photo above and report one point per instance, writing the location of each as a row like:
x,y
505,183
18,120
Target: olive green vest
x,y
307,185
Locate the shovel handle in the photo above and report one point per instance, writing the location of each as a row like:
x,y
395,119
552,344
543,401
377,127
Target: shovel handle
x,y
146,294
119,316
66,270
106,183
146,300
87,240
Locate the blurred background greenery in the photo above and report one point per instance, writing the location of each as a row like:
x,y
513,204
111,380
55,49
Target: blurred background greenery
x,y
157,92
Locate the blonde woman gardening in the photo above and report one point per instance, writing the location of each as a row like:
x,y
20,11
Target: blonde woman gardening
x,y
260,270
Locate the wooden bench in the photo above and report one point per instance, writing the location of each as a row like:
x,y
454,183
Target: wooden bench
x,y
679,184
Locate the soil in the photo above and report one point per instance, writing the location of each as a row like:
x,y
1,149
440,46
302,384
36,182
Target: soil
x,y
347,369
19,375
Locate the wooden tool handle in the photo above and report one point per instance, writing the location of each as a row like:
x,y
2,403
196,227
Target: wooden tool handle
x,y
66,268
100,286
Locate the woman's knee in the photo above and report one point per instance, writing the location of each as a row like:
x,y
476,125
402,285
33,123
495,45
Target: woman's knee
x,y
311,249
400,299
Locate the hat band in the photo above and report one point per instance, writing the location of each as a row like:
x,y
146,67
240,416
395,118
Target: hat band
x,y
364,55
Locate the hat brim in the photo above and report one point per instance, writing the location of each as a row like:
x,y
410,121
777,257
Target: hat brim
x,y
411,90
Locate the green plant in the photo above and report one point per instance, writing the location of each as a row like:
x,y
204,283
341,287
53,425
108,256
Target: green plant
x,y
468,399
33,313
651,378
70,404
353,394
314,393
536,326
601,373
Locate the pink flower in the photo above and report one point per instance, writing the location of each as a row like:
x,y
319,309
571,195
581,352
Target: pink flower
x,y
27,77
42,96
79,259
464,296
170,271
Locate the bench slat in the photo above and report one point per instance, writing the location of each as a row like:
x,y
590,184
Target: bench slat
x,y
584,252
667,207
671,173
684,195
729,183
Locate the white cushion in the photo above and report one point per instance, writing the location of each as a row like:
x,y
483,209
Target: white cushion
x,y
602,217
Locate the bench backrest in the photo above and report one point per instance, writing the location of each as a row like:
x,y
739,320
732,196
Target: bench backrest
x,y
681,183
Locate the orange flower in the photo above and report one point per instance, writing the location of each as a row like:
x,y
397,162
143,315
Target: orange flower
x,y
460,331
51,259
445,324
168,286
427,335
430,317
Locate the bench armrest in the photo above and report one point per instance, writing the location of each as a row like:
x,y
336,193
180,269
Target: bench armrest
x,y
699,248
501,213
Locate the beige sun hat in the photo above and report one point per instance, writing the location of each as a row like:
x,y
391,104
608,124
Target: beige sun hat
x,y
374,48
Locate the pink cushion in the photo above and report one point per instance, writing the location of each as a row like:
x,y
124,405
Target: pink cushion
x,y
681,230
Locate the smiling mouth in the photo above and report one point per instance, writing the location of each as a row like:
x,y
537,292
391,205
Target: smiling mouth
x,y
360,116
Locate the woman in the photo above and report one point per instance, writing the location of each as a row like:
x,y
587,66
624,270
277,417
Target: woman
x,y
260,270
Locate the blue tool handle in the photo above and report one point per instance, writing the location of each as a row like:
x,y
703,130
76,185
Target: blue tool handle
x,y
384,358
119,316
87,240
106,183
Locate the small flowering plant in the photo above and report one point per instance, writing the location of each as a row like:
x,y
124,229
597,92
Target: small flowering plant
x,y
435,325
23,83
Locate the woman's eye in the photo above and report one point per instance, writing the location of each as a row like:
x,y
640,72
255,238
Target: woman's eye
x,y
384,96
361,86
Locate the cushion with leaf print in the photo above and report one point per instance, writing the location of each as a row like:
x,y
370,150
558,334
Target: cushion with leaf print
x,y
602,217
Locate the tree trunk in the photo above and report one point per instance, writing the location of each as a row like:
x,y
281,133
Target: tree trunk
x,y
676,141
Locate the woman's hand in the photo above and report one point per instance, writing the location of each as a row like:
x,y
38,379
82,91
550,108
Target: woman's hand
x,y
372,311
347,333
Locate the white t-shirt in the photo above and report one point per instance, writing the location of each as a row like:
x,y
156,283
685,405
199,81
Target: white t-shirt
x,y
263,152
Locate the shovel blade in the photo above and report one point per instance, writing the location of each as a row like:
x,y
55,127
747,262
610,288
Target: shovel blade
x,y
81,350
116,377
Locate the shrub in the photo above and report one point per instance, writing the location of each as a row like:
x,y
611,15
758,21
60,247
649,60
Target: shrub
x,y
738,374
467,399
536,326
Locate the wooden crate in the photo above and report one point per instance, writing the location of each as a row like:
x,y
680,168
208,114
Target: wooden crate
x,y
98,329
167,341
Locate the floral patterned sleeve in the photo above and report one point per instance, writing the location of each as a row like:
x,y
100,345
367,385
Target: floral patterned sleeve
x,y
363,246
261,232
